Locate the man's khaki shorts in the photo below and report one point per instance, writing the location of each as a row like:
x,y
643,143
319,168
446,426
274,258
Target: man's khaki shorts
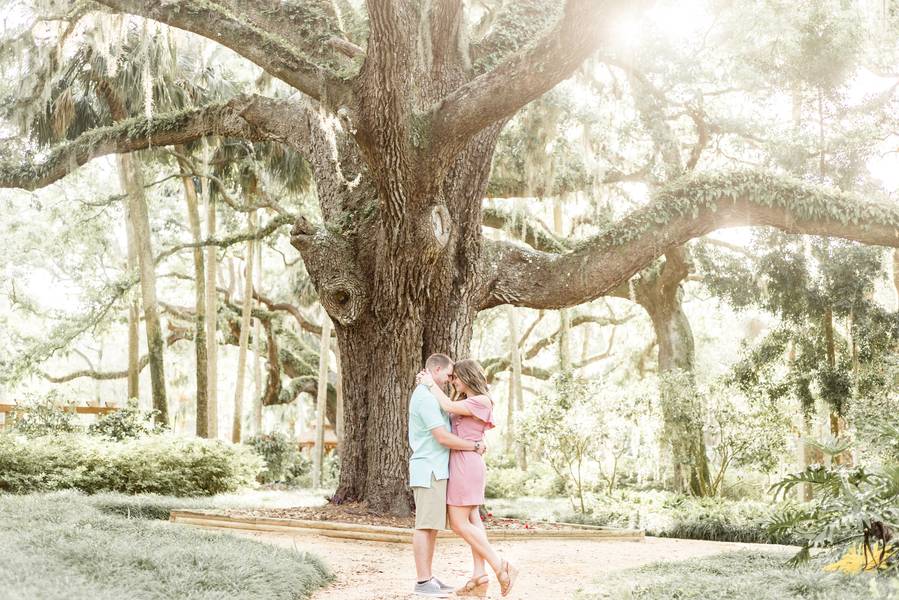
x,y
430,505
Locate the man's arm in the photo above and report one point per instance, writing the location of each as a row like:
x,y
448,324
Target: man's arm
x,y
454,442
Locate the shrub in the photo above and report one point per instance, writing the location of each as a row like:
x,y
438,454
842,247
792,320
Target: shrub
x,y
565,429
505,480
853,506
45,415
279,453
159,464
127,423
665,514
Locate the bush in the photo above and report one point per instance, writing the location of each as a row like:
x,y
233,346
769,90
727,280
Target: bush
x,y
665,514
279,453
127,423
505,480
45,415
159,464
60,547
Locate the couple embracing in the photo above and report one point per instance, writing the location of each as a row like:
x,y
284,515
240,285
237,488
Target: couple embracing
x,y
447,472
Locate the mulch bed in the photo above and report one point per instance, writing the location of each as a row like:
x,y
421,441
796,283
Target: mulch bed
x,y
359,514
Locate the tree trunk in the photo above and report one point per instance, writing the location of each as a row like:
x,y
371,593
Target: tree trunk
x,y
211,314
515,392
660,295
133,318
200,345
245,323
132,182
896,276
564,313
257,352
321,398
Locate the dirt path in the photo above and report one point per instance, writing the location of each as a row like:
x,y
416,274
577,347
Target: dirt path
x,y
550,568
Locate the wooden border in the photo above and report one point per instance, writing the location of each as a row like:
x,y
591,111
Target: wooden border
x,y
379,533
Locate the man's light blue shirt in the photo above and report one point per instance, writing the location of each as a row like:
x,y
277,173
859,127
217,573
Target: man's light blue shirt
x,y
428,455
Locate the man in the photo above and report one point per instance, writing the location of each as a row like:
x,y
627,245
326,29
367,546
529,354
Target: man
x,y
431,441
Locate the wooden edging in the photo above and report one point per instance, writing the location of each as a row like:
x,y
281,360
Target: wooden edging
x,y
379,533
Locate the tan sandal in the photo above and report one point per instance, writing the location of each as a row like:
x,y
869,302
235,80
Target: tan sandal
x,y
507,576
476,586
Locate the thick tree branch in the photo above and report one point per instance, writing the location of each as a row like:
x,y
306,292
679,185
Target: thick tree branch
x,y
99,375
523,77
687,208
291,50
245,117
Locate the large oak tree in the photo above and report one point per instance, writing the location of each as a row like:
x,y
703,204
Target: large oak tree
x,y
399,114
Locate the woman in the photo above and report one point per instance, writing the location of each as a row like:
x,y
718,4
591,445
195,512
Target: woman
x,y
471,412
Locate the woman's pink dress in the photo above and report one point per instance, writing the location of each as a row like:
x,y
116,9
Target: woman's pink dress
x,y
467,472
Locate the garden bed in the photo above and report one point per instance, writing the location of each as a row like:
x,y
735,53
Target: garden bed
x,y
357,522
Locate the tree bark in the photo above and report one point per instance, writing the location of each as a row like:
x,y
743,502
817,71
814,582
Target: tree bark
x,y
132,182
245,323
340,411
200,345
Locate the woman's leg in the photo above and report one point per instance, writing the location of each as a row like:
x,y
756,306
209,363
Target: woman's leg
x,y
474,536
474,517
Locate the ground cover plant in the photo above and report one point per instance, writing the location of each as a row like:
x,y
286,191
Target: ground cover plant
x,y
744,575
59,546
660,513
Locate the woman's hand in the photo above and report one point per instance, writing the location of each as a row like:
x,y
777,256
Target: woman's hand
x,y
424,378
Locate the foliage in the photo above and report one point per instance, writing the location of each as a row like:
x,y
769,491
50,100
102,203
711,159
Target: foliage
x,y
746,432
128,423
666,514
742,575
280,455
506,480
58,546
853,506
564,428
159,464
45,415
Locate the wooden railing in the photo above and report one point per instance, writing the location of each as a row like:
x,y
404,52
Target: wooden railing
x,y
6,409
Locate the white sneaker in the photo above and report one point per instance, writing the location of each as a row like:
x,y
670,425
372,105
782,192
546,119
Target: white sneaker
x,y
443,586
431,589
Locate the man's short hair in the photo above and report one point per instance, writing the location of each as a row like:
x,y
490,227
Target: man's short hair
x,y
438,360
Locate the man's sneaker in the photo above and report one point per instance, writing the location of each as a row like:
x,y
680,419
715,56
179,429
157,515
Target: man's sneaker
x,y
443,586
430,588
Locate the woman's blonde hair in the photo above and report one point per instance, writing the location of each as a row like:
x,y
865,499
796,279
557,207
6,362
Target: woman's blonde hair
x,y
472,375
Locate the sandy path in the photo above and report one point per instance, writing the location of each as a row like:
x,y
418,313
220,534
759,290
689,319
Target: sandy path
x,y
550,568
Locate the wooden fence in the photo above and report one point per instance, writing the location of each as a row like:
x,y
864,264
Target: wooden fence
x,y
6,410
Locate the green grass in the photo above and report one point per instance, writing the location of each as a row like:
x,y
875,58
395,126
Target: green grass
x,y
153,506
738,576
62,546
